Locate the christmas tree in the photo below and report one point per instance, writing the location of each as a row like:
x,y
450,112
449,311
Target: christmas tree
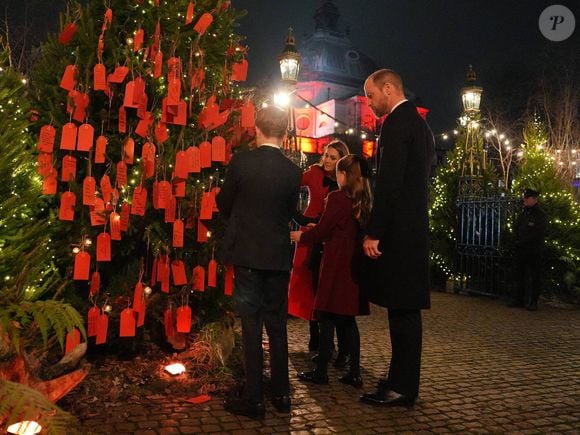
x,y
139,109
538,171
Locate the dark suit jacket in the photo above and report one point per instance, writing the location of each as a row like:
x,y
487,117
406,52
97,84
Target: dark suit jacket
x,y
258,198
399,279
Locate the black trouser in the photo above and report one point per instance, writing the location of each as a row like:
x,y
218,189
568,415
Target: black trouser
x,y
262,299
348,326
529,277
406,340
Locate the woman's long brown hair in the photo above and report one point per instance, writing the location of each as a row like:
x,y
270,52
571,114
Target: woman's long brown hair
x,y
357,185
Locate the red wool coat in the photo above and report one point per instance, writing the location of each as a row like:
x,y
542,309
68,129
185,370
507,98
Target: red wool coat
x,y
338,289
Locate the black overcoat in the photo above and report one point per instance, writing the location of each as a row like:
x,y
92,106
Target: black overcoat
x,y
399,278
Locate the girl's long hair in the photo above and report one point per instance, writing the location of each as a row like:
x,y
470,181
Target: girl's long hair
x,y
357,185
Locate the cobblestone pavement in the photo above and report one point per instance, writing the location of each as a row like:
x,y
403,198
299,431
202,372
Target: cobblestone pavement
x,y
486,369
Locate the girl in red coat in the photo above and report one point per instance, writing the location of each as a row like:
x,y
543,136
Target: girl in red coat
x,y
337,299
320,179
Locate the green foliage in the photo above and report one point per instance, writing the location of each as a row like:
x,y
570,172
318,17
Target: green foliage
x,y
21,403
538,171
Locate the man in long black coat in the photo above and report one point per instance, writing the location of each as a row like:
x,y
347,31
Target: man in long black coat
x,y
258,198
396,241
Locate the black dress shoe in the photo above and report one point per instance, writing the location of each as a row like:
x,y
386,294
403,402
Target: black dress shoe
x,y
355,381
313,377
282,403
240,406
341,361
380,398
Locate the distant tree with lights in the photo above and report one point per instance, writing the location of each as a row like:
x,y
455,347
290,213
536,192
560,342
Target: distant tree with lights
x,y
139,110
538,170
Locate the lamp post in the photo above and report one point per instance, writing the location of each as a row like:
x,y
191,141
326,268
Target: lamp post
x,y
473,161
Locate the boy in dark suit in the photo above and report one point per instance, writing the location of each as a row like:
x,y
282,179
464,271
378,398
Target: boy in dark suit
x,y
397,234
258,198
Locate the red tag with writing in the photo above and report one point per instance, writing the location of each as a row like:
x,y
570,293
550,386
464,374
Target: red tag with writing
x,y
138,91
86,134
68,80
214,192
92,319
193,159
240,71
203,23
218,149
73,339
139,201
104,247
170,207
206,206
163,272
212,273
97,214
68,138
148,159
101,149
178,188
181,165
129,94
49,184
205,154
138,39
122,120
69,168
161,134
138,298
158,69
143,125
201,231
115,225
100,77
81,101
248,115
121,174
125,212
189,14
229,280
66,211
198,278
44,164
46,139
102,327
129,150
119,74
89,189
178,233
106,188
174,92
178,272
95,286
184,319
127,323
82,266
164,193
68,32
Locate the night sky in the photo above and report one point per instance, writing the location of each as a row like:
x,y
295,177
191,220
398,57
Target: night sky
x,y
429,42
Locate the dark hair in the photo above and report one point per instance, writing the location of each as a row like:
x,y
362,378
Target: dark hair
x,y
272,121
357,185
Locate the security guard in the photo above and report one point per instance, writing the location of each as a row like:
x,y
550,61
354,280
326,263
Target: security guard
x,y
530,233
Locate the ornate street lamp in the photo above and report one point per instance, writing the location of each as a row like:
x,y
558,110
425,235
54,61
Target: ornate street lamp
x,y
471,93
290,61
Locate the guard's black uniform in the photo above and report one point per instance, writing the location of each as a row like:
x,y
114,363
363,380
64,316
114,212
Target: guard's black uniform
x,y
530,233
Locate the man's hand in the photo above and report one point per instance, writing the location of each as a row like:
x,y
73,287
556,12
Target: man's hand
x,y
295,235
371,248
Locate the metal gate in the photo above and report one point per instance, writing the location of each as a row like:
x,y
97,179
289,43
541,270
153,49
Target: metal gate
x,y
483,258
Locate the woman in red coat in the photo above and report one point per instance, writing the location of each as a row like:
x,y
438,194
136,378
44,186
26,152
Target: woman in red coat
x,y
338,299
320,179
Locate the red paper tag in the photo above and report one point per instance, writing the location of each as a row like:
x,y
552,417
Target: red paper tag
x,y
138,298
218,149
189,14
229,280
178,233
158,69
102,327
174,92
115,225
121,174
161,134
125,212
69,168
170,207
119,74
197,78
205,154
193,159
44,164
95,286
92,319
181,165
68,139
139,201
81,102
68,80
129,95
178,188
198,278
103,247
164,193
46,139
169,322
214,192
212,273
173,67
184,319
210,116
68,32
240,71
206,206
82,266
86,134
106,188
248,115
89,188
100,77
49,184
148,159
66,211
138,40
73,339
97,213
201,232
203,23
127,323
122,120
180,117
101,149
178,272
129,150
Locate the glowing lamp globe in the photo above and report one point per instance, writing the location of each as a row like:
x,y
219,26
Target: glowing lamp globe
x,y
175,369
24,428
471,93
290,60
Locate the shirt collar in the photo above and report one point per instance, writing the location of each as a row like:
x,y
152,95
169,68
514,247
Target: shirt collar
x,y
269,145
398,104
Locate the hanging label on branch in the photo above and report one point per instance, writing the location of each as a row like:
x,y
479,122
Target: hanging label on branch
x,y
102,328
248,117
129,94
193,159
127,323
69,169
73,339
68,138
44,164
169,322
203,23
158,69
122,124
201,232
212,273
46,139
101,149
81,102
119,74
218,149
170,210
89,189
198,278
161,134
97,213
205,154
181,165
68,80
95,286
143,125
178,272
103,247
178,233
115,225
184,319
66,211
138,39
125,212
229,280
139,201
164,193
240,71
106,188
100,78
148,159
121,174
86,134
68,32
189,13
92,319
138,298
50,183
206,206
214,192
129,150
82,266
179,188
